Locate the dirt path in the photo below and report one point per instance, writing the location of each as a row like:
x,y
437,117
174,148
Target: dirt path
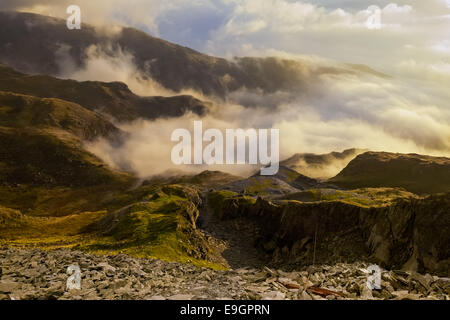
x,y
235,239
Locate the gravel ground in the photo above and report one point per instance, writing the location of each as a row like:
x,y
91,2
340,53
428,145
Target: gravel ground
x,y
37,274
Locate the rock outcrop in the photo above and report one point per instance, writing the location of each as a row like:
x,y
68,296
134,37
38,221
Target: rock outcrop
x,y
412,234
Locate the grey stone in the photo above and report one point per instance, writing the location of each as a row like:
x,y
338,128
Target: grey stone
x,y
181,297
7,286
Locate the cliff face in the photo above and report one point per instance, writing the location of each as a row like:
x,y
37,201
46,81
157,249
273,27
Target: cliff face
x,y
411,234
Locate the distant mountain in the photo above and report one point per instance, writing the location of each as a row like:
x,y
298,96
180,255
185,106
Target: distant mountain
x,y
114,98
286,181
260,186
206,179
34,44
293,178
416,173
321,166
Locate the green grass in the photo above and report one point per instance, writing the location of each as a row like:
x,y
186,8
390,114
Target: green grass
x,y
216,199
363,197
161,229
260,186
160,225
62,201
292,175
21,229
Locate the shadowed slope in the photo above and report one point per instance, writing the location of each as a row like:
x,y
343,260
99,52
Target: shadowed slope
x,y
416,173
114,98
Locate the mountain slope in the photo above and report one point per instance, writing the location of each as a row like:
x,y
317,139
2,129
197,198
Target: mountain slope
x,y
321,166
203,180
416,173
284,182
53,192
41,142
39,44
24,111
114,99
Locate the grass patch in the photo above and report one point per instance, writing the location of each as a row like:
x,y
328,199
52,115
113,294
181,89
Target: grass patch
x,y
216,199
158,224
364,197
159,229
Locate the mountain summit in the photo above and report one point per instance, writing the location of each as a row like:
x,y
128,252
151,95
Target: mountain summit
x,y
416,173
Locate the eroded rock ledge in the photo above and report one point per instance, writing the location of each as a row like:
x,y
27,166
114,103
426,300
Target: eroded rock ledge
x,y
410,234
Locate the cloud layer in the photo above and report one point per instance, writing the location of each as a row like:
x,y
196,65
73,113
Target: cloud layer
x,y
343,111
409,112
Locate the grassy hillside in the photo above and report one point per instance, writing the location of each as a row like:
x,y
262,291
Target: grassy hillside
x,y
157,222
204,180
41,143
113,99
44,169
24,111
364,197
53,193
260,185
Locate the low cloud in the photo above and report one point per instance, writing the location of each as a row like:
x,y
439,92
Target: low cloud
x,y
108,67
409,112
344,111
